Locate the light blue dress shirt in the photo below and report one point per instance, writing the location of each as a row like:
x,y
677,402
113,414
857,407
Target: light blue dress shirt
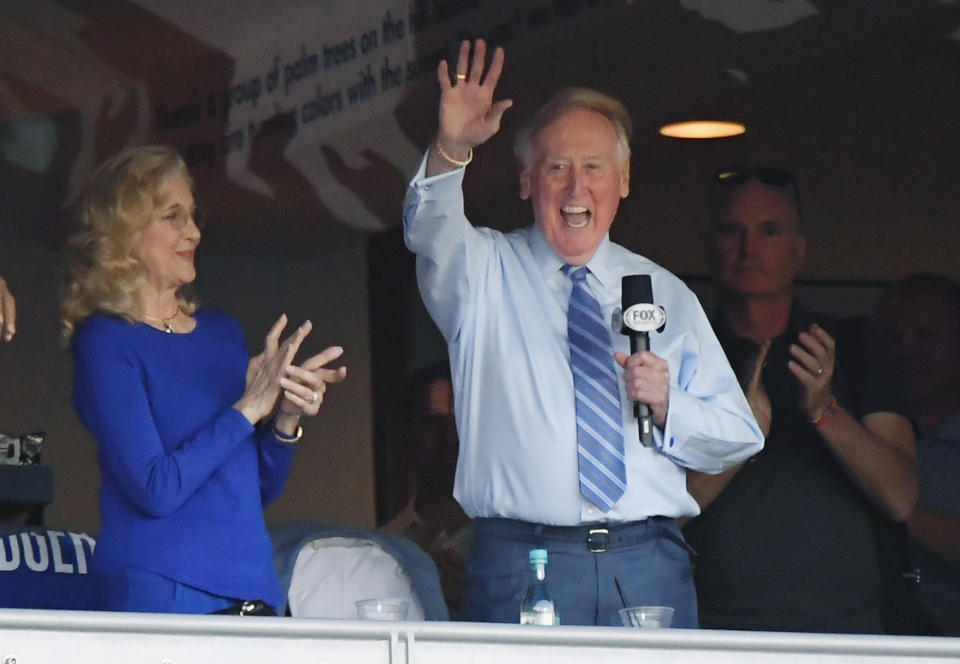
x,y
500,301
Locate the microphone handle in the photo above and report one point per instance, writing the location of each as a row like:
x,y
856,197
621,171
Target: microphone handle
x,y
641,341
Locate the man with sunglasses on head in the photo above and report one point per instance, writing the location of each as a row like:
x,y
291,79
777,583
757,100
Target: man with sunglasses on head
x,y
785,540
549,454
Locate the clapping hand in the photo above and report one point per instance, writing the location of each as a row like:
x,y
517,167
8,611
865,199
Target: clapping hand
x,y
267,369
304,385
753,389
813,365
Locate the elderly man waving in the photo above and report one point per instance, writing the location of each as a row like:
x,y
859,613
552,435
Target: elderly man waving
x,y
549,451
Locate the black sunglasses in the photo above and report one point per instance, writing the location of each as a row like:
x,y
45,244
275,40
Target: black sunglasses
x,y
729,178
769,175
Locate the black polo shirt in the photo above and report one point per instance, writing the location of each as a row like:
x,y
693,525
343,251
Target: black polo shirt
x,y
789,544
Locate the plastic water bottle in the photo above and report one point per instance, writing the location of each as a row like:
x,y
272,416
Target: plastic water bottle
x,y
537,607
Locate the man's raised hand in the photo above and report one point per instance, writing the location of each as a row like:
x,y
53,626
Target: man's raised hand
x,y
468,114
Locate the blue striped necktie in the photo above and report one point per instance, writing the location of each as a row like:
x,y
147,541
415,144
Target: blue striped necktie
x,y
603,473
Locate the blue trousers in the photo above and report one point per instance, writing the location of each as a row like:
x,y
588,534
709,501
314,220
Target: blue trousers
x,y
139,590
650,560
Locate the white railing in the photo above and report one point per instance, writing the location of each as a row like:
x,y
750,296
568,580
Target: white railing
x,y
79,637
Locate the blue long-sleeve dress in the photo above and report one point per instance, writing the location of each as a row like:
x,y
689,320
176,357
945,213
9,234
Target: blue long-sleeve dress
x,y
184,475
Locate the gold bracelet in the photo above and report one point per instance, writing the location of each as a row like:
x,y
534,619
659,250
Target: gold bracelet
x,y
455,162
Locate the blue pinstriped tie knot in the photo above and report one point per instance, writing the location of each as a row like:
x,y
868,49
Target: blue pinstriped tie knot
x,y
603,473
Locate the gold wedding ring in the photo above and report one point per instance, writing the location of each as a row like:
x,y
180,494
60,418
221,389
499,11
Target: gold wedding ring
x,y
461,77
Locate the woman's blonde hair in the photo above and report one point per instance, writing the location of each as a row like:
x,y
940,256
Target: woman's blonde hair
x,y
102,272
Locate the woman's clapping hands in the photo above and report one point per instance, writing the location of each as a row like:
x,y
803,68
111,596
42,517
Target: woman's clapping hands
x,y
273,371
305,385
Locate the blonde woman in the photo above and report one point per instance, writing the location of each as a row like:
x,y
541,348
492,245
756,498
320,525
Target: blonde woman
x,y
191,440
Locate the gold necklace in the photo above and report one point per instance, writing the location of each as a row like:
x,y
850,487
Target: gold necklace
x,y
165,321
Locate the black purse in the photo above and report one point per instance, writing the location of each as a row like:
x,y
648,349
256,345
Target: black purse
x,y
250,607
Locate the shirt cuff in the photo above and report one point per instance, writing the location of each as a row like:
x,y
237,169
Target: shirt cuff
x,y
421,175
422,189
673,432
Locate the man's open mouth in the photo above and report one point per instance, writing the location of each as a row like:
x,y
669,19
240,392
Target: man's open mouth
x,y
575,216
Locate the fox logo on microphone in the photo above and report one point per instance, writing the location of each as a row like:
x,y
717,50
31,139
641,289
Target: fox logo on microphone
x,y
644,317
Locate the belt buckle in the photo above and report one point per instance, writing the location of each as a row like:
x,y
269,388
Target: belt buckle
x,y
598,540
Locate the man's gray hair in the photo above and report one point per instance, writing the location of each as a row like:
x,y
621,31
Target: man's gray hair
x,y
565,100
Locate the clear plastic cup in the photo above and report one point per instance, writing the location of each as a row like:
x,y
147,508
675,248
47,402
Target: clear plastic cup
x,y
647,616
387,608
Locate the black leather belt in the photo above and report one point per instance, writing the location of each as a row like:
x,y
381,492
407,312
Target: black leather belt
x,y
598,540
595,538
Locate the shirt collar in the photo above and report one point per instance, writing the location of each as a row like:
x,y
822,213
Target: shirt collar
x,y
602,267
797,321
550,263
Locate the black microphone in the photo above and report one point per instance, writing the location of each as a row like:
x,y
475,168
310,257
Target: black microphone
x,y
640,317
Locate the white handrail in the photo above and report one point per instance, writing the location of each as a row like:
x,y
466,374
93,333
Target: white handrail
x,y
30,637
